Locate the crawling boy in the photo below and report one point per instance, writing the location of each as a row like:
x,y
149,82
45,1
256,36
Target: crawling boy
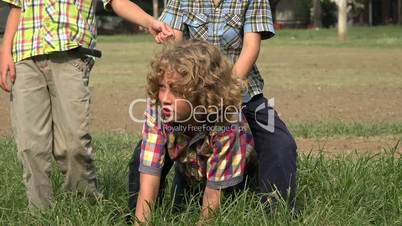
x,y
193,116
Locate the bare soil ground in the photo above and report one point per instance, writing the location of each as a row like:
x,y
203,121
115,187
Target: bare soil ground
x,y
309,84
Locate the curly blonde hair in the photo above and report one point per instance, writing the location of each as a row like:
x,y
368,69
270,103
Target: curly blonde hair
x,y
205,75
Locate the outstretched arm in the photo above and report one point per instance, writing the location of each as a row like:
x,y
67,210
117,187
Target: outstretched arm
x,y
134,14
149,188
6,60
177,37
210,201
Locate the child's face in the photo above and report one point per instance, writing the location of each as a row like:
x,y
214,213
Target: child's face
x,y
174,107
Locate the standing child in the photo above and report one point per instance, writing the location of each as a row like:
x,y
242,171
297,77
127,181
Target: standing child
x,y
237,28
49,41
195,118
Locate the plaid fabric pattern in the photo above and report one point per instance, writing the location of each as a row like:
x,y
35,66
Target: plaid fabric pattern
x,y
223,26
217,157
48,26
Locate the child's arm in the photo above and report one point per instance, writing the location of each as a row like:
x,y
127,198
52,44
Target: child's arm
x,y
6,59
248,55
257,26
149,188
210,201
153,150
226,165
177,35
133,13
172,16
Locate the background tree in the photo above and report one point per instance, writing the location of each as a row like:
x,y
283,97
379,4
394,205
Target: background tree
x,y
317,13
400,11
274,3
155,8
342,18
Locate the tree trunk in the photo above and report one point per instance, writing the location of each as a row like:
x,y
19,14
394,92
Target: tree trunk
x,y
155,8
317,13
342,19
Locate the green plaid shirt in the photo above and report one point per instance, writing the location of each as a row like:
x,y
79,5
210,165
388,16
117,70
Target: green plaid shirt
x,y
48,26
223,26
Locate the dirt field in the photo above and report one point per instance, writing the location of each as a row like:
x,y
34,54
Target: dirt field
x,y
309,84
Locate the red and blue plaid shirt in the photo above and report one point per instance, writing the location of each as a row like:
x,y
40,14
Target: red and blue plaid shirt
x,y
215,154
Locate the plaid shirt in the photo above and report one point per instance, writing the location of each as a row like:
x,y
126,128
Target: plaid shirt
x,y
223,26
48,26
216,155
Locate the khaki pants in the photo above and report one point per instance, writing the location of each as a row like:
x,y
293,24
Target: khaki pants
x,y
50,117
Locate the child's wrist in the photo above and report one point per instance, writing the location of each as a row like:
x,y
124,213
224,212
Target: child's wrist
x,y
5,49
149,23
5,53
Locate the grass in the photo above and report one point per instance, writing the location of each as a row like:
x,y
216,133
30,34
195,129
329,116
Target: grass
x,y
286,61
343,129
348,190
371,37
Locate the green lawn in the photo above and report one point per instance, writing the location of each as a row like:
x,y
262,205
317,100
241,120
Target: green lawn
x,y
353,189
278,70
371,37
348,190
338,129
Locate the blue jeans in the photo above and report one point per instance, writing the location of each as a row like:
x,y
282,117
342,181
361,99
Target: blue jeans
x,y
276,150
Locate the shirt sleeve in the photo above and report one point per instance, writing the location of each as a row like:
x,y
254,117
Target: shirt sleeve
x,y
258,18
172,15
16,3
153,146
226,165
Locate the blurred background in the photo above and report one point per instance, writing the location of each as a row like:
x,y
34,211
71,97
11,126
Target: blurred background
x,y
286,13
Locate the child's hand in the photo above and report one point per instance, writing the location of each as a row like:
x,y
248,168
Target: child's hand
x,y
161,38
160,31
6,68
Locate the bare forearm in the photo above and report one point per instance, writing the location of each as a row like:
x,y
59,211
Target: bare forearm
x,y
149,188
131,12
248,55
178,35
210,201
11,28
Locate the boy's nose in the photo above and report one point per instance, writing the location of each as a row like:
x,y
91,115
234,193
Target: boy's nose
x,y
166,98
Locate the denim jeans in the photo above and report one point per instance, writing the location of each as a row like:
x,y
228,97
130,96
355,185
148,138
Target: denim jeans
x,y
275,147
